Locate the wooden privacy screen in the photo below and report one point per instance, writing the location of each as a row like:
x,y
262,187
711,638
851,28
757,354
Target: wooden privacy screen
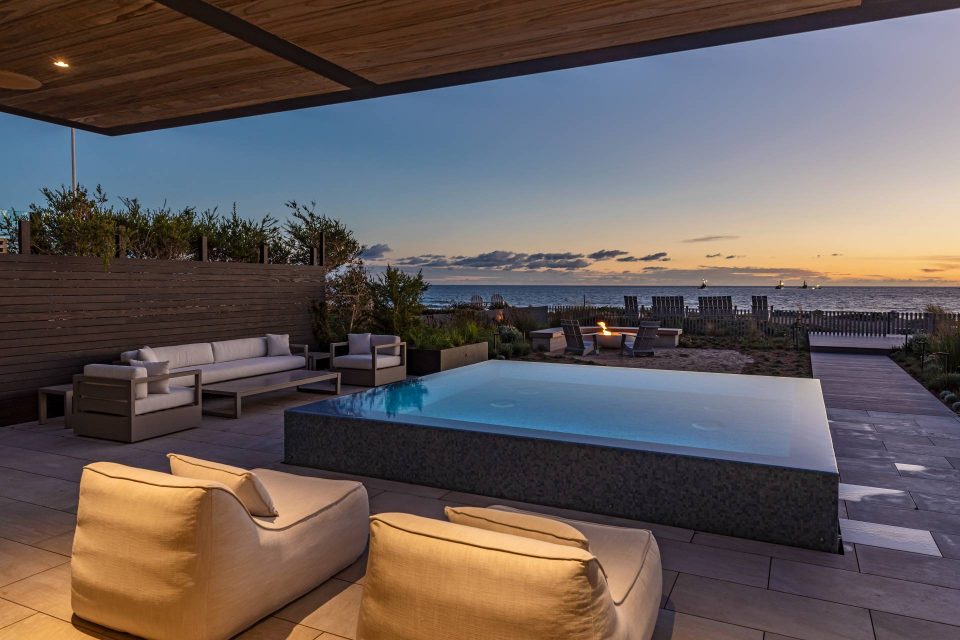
x,y
58,313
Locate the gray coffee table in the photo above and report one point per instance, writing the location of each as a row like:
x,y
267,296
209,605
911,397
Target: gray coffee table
x,y
239,389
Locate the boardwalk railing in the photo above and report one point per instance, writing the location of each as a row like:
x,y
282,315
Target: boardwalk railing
x,y
766,321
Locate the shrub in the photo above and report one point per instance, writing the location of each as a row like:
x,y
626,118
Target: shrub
x,y
397,301
956,407
509,334
159,234
945,383
950,398
307,229
505,349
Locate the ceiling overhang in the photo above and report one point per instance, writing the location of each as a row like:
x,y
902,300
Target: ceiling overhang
x,y
140,65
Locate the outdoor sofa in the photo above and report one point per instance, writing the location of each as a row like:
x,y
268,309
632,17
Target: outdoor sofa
x,y
499,573
370,360
185,555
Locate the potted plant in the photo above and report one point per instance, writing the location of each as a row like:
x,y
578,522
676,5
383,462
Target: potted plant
x,y
460,342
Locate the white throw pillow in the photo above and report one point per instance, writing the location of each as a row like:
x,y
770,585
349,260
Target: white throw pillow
x,y
155,369
146,354
244,484
359,343
278,344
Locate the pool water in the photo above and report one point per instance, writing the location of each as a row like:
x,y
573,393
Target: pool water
x,y
775,421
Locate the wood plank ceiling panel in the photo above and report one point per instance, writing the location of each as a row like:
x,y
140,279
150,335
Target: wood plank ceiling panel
x,y
397,40
133,61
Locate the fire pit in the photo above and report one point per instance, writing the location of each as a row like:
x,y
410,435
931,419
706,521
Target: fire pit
x,y
607,339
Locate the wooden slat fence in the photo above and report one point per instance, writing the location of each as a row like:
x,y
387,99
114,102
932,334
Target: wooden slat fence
x,y
770,322
59,313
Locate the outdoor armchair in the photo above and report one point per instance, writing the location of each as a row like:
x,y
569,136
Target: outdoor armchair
x,y
369,360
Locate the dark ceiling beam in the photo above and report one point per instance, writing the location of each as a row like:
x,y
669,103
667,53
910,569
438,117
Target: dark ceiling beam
x,y
869,11
255,36
53,120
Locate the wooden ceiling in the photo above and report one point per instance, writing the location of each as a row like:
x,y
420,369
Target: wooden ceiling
x,y
138,65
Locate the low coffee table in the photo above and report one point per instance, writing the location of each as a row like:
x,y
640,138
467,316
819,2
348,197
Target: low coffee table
x,y
239,389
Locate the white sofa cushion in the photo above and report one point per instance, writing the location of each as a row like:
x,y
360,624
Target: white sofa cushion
x,y
365,362
230,350
222,371
278,344
154,369
119,372
358,343
245,484
177,397
377,340
184,355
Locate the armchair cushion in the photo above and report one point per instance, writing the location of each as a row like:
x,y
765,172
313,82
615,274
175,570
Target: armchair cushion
x,y
358,344
119,372
155,369
526,525
377,340
241,349
278,344
245,484
365,362
176,397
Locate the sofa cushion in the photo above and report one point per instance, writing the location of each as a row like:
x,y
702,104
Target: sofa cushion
x,y
365,362
358,343
176,397
154,369
222,371
242,482
119,372
278,344
229,350
622,551
378,340
184,355
519,524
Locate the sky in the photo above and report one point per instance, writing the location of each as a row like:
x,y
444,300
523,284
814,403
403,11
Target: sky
x,y
831,156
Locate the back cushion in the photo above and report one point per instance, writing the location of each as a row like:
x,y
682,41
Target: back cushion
x,y
376,341
241,349
358,344
519,524
242,482
154,369
433,579
185,355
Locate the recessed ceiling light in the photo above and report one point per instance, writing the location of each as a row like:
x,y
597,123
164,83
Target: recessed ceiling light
x,y
63,64
18,81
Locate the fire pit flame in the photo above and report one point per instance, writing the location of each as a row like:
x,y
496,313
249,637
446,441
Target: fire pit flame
x,y
604,331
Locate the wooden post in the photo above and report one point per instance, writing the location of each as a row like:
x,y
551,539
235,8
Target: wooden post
x,y
120,242
264,253
24,237
203,251
314,257
322,260
3,245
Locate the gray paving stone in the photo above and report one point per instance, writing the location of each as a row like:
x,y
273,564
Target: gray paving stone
x,y
672,625
888,536
715,562
876,495
889,626
903,565
927,602
926,520
755,608
936,502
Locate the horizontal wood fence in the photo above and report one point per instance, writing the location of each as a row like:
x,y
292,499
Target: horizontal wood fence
x,y
59,313
766,321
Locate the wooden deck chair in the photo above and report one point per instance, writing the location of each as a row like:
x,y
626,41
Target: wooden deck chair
x,y
630,306
668,307
716,306
759,307
576,344
642,344
476,301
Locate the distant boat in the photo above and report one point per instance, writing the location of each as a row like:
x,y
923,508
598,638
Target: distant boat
x,y
703,284
817,286
804,285
779,286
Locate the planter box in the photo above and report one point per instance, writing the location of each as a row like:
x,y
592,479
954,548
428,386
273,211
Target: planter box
x,y
421,362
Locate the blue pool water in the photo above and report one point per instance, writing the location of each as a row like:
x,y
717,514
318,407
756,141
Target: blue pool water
x,y
778,421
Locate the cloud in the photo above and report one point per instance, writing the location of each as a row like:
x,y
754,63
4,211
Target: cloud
x,y
606,254
731,257
376,252
710,238
932,270
836,255
713,255
654,268
660,256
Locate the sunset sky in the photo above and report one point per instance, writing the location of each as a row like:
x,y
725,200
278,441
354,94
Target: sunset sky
x,y
831,156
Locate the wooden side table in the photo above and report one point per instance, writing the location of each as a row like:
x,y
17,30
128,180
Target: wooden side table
x,y
314,358
63,390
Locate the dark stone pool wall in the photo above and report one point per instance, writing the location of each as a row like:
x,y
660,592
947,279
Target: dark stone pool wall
x,y
760,502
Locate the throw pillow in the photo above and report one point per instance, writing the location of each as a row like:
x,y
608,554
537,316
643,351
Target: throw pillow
x,y
359,343
155,369
278,344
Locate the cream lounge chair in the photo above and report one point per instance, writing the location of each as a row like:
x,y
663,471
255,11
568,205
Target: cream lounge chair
x,y
180,557
501,574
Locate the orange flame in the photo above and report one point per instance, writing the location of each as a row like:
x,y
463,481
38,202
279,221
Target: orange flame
x,y
603,327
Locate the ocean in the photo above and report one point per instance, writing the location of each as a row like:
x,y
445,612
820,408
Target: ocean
x,y
825,299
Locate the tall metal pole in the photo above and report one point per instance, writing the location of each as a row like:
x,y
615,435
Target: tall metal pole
x,y
73,159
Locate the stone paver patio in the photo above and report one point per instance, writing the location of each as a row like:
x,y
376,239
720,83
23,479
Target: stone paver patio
x,y
900,505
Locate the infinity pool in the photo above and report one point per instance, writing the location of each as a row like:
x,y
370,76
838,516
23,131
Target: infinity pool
x,y
724,450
